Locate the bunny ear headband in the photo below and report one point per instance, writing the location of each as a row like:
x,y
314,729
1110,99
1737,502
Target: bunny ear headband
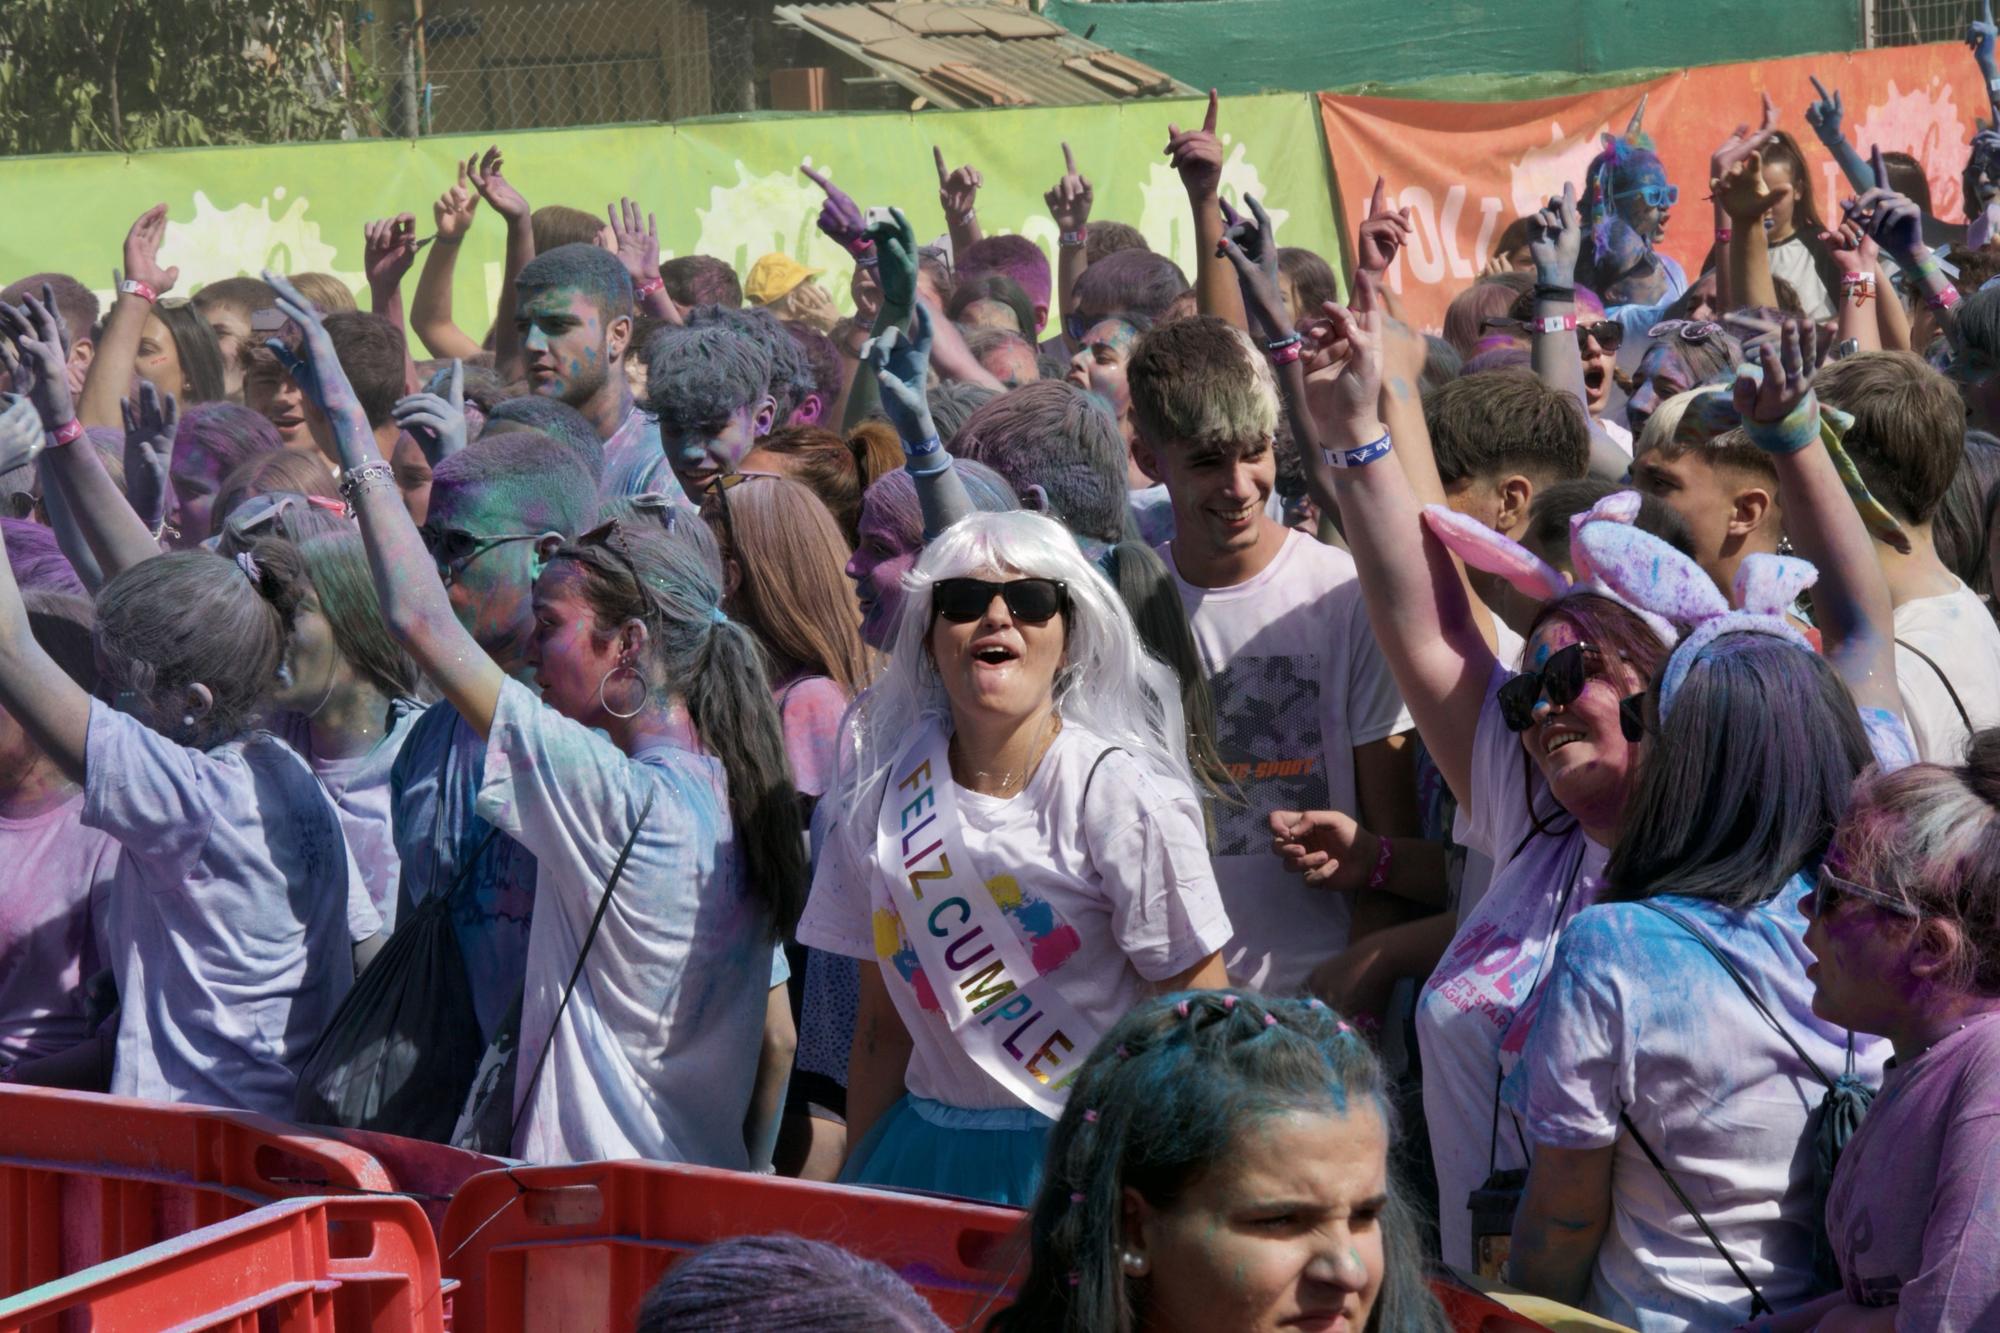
x,y
1713,412
1648,573
1484,549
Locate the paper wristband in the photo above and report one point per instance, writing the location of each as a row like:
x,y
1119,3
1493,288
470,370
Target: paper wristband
x,y
69,430
930,445
1359,457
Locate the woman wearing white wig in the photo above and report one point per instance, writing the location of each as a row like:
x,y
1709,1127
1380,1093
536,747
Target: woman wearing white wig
x,y
1017,846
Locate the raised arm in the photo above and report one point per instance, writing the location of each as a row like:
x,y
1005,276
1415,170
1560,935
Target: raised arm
x,y
1897,225
636,242
1979,35
1741,194
414,602
1826,116
1555,235
117,357
112,533
1855,251
436,421
389,248
1738,146
1252,251
1851,600
1416,594
958,195
1197,156
430,309
508,203
1069,201
900,361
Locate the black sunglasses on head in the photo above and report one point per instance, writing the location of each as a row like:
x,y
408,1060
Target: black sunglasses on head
x,y
962,601
1560,680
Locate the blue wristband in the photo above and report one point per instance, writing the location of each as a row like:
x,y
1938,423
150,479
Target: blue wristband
x,y
1359,457
930,445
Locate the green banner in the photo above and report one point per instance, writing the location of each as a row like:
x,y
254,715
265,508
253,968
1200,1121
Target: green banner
x,y
729,188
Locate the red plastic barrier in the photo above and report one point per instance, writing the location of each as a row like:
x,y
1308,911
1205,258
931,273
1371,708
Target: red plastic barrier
x,y
428,1172
576,1247
303,1266
85,1178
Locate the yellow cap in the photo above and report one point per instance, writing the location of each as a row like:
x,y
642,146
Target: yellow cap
x,y
773,277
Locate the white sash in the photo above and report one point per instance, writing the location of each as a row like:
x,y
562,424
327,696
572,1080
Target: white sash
x,y
1012,1021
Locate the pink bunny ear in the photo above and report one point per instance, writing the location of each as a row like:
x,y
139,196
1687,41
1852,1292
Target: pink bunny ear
x,y
1767,585
1617,507
1650,575
1484,549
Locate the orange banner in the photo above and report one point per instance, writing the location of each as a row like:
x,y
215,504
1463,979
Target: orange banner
x,y
1467,169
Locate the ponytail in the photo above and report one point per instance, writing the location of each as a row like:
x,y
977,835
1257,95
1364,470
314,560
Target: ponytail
x,y
729,700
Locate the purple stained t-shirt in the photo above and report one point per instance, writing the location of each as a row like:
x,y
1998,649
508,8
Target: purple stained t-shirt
x,y
1914,1214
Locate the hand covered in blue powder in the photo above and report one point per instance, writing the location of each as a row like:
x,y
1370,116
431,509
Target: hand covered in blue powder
x,y
1826,115
1248,245
317,371
896,244
31,351
436,421
1980,35
150,424
901,362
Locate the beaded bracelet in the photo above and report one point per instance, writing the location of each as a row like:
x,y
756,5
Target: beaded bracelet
x,y
368,477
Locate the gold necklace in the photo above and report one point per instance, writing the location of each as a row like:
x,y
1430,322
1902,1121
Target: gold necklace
x,y
1011,782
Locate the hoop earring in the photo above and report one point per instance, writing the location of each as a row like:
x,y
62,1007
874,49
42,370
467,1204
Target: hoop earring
x,y
602,703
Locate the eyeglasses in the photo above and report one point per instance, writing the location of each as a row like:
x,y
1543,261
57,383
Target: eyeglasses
x,y
1831,887
265,511
962,601
1656,196
454,548
1560,680
1610,334
660,505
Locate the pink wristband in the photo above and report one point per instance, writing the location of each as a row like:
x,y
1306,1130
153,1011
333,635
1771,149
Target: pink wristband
x,y
648,287
1378,878
69,430
1946,298
134,287
1722,235
1284,356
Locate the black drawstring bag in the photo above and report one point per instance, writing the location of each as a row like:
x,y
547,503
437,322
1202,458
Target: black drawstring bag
x,y
400,1052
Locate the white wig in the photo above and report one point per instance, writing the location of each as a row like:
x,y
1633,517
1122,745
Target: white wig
x,y
1108,683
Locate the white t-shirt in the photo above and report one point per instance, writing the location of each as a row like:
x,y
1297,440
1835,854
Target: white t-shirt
x,y
57,871
658,1048
1121,882
1636,1016
1299,682
1619,433
358,786
1791,261
1474,1011
1957,632
233,911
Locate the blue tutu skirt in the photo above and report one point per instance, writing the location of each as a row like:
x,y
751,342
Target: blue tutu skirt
x,y
919,1144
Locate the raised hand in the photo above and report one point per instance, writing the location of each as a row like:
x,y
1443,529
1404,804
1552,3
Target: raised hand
x,y
839,217
901,362
484,174
454,208
436,421
1851,247
1248,245
637,246
1741,143
1069,198
1893,220
1197,155
390,248
958,191
1329,848
810,304
31,350
1825,115
1346,396
142,252
1980,34
316,366
149,452
21,437
1785,353
1382,234
896,243
1742,193
1555,235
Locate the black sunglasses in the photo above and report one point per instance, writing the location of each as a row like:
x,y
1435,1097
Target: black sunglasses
x,y
962,601
1632,716
1560,680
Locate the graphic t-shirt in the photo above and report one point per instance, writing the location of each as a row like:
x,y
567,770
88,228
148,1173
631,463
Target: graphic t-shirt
x,y
1637,1017
1956,632
655,1054
434,790
1299,682
51,893
1474,1012
1109,893
1914,1214
233,911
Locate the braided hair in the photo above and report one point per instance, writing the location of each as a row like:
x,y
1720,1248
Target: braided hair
x,y
1162,1099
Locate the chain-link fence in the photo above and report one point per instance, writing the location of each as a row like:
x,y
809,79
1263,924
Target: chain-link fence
x,y
1914,22
534,64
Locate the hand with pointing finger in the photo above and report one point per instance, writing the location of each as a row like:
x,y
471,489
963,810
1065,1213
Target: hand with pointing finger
x,y
839,217
958,191
1197,155
1069,198
1826,114
1383,233
1248,245
1742,143
1980,35
1555,236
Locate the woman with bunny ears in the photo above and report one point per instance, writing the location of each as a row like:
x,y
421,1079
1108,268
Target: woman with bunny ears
x,y
1674,1064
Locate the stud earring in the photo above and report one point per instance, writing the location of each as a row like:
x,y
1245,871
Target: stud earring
x,y
1135,1263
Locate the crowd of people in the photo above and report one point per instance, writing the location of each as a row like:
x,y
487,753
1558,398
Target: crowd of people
x,y
1282,797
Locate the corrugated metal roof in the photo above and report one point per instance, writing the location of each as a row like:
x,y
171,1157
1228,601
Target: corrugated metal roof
x,y
1029,66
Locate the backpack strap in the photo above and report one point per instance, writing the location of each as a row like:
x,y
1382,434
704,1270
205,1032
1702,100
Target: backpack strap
x,y
1110,750
1758,1305
569,987
1943,679
1742,984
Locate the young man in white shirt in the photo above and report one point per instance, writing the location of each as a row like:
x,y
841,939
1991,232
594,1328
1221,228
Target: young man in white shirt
x,y
1307,713
1908,441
